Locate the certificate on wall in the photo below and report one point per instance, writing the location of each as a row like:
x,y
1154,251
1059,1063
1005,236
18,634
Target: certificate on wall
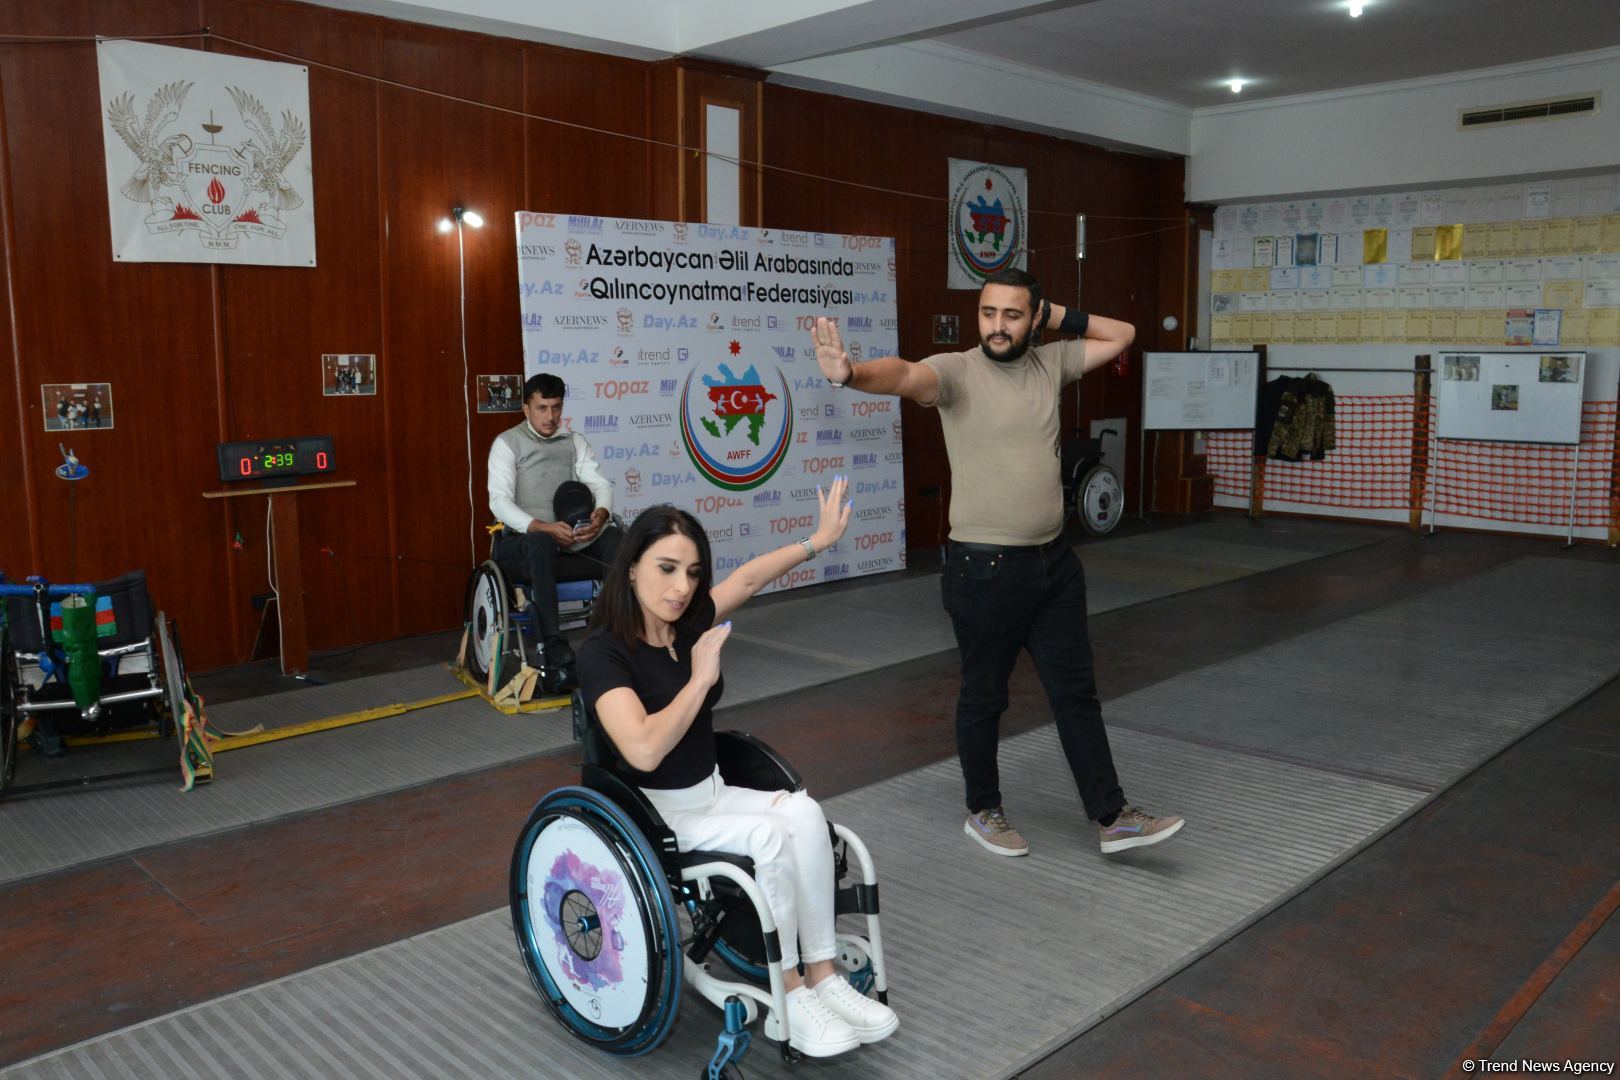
x,y
1264,250
1544,330
1327,248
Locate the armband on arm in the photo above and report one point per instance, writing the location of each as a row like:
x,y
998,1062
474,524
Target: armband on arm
x,y
1074,322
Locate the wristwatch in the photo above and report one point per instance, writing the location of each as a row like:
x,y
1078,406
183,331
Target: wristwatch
x,y
809,548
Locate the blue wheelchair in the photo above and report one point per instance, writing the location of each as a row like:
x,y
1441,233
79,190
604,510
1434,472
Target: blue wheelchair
x,y
611,916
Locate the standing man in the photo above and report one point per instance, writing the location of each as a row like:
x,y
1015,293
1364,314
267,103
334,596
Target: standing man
x,y
527,464
1010,580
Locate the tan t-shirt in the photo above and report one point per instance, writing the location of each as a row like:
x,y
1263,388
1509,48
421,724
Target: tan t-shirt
x,y
1001,436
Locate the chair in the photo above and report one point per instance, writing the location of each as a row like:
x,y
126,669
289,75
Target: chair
x,y
499,617
600,892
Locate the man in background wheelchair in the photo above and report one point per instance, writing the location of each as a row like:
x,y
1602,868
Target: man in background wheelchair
x,y
677,809
555,508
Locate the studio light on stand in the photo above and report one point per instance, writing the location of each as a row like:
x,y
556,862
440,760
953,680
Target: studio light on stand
x,y
470,219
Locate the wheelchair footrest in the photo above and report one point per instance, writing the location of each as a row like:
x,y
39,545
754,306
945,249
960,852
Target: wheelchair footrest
x,y
857,899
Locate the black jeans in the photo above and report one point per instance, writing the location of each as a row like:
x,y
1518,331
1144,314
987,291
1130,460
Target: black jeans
x,y
546,565
1001,601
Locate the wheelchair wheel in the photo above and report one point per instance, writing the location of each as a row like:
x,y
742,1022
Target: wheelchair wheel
x,y
490,640
595,922
10,696
1099,501
172,673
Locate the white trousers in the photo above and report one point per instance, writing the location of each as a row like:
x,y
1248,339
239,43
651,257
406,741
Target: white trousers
x,y
786,836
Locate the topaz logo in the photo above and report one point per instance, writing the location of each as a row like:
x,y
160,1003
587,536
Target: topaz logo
x,y
869,541
808,322
861,243
787,524
796,577
536,221
867,407
621,388
573,252
713,504
815,466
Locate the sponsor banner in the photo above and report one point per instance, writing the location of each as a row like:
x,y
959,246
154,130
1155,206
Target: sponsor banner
x,y
989,223
207,157
687,353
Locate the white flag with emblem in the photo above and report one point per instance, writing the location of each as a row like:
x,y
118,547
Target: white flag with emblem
x,y
208,157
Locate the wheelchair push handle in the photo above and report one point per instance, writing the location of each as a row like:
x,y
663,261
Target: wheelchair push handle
x,y
39,586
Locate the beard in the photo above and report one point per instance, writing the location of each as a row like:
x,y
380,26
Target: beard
x,y
1016,348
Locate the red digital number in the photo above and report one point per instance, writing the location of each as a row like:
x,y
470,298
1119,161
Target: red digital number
x,y
320,459
246,466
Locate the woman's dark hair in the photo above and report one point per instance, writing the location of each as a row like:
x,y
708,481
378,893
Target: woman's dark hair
x,y
617,610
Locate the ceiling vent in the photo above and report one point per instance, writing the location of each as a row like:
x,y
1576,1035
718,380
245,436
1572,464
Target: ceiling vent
x,y
1546,109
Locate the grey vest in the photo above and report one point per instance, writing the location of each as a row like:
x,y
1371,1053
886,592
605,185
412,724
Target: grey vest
x,y
542,465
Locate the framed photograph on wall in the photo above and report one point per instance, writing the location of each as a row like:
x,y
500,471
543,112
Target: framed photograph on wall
x,y
77,406
348,375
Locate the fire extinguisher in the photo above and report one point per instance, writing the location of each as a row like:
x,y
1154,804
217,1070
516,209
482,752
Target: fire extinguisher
x,y
1122,364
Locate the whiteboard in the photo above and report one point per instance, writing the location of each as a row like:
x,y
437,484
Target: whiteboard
x,y
1199,391
1511,397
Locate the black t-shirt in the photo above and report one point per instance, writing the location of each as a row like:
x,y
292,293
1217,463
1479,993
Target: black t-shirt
x,y
605,663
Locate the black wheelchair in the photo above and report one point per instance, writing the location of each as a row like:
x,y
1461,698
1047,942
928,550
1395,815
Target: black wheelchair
x,y
610,915
140,677
499,618
1091,490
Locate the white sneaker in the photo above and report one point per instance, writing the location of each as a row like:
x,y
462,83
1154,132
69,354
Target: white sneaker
x,y
871,1020
814,1030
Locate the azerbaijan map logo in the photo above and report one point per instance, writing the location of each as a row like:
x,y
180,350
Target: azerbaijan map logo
x,y
735,430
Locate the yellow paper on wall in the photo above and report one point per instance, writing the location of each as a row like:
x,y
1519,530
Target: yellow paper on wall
x,y
1499,239
1528,237
1418,329
1585,235
1395,326
1465,329
1256,279
1225,280
1327,326
1220,328
1576,328
1558,237
1563,294
1610,241
1448,242
1443,325
1347,327
1372,327
1604,327
1304,326
1243,329
1374,246
1422,244
1260,327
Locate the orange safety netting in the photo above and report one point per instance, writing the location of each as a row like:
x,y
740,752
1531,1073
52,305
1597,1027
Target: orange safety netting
x,y
1371,467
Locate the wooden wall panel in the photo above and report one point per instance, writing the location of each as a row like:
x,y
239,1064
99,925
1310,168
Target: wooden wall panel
x,y
909,151
198,353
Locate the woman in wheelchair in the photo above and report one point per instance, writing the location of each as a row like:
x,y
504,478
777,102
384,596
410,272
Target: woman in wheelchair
x,y
650,667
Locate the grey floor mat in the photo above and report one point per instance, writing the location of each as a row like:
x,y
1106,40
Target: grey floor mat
x,y
993,959
789,644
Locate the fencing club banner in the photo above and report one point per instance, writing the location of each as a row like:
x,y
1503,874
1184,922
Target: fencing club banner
x,y
207,157
690,369
989,222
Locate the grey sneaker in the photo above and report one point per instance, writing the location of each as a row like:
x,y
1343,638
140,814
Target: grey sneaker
x,y
990,828
1135,828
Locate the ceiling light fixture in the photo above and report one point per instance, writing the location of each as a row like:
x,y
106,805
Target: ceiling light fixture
x,y
1236,85
1356,8
468,217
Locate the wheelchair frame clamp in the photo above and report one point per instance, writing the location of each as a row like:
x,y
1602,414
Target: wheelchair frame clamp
x,y
732,1043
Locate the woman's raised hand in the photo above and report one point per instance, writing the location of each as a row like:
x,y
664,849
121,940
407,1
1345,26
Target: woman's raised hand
x,y
835,511
706,654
